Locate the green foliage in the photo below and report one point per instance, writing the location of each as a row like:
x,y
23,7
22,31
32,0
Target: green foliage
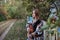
x,y
18,8
14,9
58,22
42,6
2,17
11,10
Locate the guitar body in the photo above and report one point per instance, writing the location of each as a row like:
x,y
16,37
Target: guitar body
x,y
31,28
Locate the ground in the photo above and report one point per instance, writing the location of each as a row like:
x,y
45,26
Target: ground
x,y
17,31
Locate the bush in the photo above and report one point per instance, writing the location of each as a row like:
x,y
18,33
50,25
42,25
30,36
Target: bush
x,y
2,17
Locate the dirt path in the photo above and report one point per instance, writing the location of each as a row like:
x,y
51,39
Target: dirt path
x,y
2,22
2,25
6,31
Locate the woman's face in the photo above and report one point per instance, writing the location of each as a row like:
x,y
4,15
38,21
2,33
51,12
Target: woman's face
x,y
33,14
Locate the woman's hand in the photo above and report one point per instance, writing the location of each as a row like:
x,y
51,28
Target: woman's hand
x,y
33,34
28,29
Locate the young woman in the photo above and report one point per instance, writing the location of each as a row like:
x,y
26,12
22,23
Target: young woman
x,y
36,24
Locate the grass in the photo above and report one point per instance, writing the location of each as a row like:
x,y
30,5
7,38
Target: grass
x,y
17,32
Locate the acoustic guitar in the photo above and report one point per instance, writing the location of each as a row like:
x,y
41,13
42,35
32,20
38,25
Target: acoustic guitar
x,y
31,28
